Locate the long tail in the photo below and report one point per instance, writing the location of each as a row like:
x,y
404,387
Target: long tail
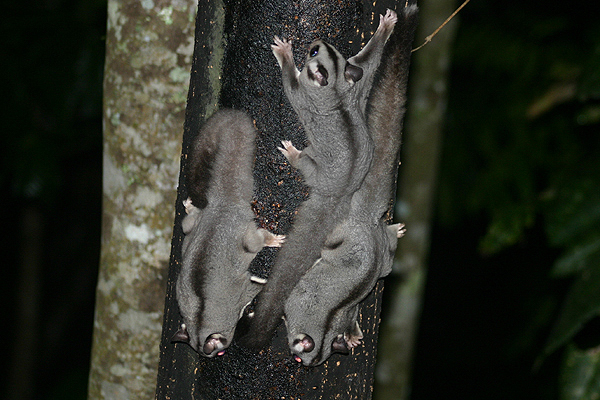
x,y
316,219
386,109
221,158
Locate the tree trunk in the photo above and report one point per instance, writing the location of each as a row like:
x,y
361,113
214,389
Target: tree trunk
x,y
417,186
148,58
250,80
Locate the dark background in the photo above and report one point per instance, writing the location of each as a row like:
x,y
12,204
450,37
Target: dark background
x,y
520,153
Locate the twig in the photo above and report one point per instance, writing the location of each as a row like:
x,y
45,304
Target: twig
x,y
428,38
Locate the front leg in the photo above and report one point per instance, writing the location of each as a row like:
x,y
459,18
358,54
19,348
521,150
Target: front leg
x,y
386,24
192,216
189,207
369,57
371,53
301,160
290,152
282,49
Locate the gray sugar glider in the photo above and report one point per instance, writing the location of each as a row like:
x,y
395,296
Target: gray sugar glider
x,y
321,312
221,236
330,97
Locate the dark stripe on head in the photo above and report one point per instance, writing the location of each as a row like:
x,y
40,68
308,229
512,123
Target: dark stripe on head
x,y
199,272
334,57
356,290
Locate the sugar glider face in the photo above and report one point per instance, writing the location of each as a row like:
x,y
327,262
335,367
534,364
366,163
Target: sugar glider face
x,y
315,68
325,64
215,344
338,335
209,324
214,284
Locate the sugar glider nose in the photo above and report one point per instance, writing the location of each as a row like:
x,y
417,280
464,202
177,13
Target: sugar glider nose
x,y
215,343
304,343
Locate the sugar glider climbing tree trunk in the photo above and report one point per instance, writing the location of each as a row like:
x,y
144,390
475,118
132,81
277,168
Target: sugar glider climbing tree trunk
x,y
234,67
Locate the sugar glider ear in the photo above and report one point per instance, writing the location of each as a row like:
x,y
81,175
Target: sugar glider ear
x,y
339,345
353,73
181,335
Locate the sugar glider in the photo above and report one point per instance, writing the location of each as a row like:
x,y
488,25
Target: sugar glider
x,y
321,312
329,96
221,237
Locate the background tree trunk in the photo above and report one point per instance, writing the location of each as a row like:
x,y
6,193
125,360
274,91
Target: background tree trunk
x,y
417,186
148,56
250,80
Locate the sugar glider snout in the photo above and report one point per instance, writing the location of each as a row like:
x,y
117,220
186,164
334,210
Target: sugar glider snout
x,y
303,344
215,345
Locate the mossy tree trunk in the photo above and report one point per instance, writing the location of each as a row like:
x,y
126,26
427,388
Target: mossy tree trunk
x,y
149,47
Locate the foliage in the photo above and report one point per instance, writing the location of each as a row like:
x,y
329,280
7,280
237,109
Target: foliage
x,y
581,374
523,148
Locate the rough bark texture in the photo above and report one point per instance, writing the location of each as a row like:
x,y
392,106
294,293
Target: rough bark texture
x,y
416,190
250,80
148,56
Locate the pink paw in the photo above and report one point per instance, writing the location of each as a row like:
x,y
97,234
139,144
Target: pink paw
x,y
289,151
390,18
275,240
401,231
354,338
282,49
187,203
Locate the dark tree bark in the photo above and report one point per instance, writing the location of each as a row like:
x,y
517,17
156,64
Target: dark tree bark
x,y
250,80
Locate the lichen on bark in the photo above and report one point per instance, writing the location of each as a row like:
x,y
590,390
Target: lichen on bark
x,y
149,47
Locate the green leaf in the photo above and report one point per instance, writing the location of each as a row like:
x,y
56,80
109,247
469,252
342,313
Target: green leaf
x,y
589,115
575,211
507,227
581,374
577,258
581,305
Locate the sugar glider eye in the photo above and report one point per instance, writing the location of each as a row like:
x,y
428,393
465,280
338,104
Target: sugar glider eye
x,y
314,51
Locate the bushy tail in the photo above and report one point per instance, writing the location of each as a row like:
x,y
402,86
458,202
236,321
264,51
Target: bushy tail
x,y
386,109
199,172
316,219
221,157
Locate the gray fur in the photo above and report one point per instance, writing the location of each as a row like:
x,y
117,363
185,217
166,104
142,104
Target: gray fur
x,y
221,240
330,97
321,312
